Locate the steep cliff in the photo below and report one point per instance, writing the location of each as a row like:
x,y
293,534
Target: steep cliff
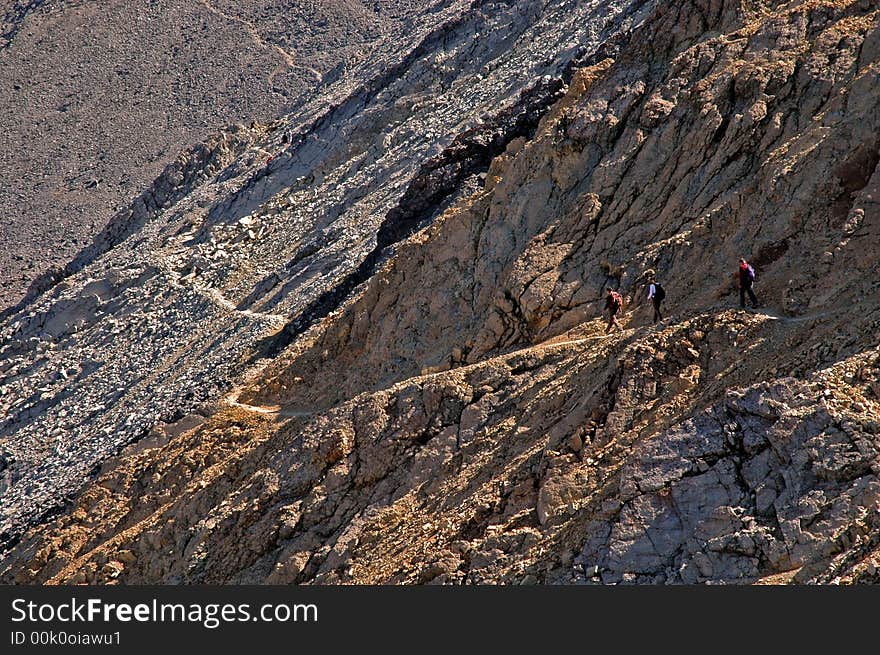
x,y
461,417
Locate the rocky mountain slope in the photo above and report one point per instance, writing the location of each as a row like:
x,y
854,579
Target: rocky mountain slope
x,y
97,97
448,409
262,229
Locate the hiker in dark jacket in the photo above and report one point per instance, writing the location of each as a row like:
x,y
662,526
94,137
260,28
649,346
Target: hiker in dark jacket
x,y
746,280
613,305
656,294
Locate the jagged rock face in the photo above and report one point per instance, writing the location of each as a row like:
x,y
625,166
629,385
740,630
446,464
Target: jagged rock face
x,y
756,483
98,97
254,230
603,194
463,418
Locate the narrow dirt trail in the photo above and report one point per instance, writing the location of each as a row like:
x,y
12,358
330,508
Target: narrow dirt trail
x,y
253,33
277,320
272,410
279,411
231,400
558,342
795,319
166,265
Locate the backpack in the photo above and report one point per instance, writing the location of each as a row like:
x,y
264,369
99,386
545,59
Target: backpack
x,y
751,272
616,301
659,292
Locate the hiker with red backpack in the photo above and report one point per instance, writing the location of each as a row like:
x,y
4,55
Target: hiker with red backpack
x,y
746,280
613,305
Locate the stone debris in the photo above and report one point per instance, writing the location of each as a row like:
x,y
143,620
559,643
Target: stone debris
x,y
453,413
87,109
172,302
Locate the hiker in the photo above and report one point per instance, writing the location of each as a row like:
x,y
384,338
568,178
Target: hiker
x,y
656,294
613,304
746,280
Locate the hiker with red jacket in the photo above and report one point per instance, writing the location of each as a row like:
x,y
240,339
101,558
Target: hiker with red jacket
x,y
746,280
613,305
